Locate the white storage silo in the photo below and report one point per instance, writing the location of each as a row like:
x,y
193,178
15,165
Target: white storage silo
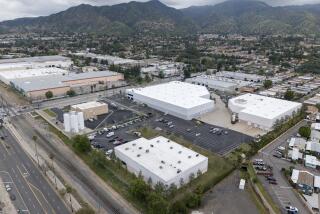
x,y
66,122
81,120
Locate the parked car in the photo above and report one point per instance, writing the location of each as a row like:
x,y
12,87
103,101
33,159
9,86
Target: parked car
x,y
109,152
273,182
110,134
291,210
277,155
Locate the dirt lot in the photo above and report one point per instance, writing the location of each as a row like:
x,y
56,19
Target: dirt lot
x,y
11,96
226,197
221,116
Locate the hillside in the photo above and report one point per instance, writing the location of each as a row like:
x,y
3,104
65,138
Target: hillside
x,y
252,17
241,16
152,16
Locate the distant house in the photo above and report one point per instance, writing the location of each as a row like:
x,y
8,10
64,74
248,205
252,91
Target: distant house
x,y
297,142
313,147
315,132
304,181
295,154
311,161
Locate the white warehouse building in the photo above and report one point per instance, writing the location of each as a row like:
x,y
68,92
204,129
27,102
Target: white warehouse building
x,y
260,111
161,160
180,99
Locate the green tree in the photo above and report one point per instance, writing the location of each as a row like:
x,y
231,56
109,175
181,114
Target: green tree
x,y
98,159
192,200
178,207
139,189
289,95
81,143
49,94
147,78
267,84
156,204
161,75
305,131
71,93
187,73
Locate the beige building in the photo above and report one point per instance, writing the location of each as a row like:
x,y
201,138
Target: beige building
x,y
91,109
36,88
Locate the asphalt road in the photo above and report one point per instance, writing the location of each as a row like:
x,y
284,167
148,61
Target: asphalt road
x,y
282,193
66,160
33,192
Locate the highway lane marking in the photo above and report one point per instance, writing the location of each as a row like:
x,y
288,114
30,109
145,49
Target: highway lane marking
x,y
24,203
31,190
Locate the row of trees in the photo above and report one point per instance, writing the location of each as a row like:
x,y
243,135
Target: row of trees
x,y
156,199
70,93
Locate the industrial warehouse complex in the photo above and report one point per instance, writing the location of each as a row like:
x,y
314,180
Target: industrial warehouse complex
x,y
162,160
35,88
35,62
183,100
219,83
260,111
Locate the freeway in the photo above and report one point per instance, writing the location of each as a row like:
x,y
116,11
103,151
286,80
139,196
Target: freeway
x,y
86,182
32,191
283,194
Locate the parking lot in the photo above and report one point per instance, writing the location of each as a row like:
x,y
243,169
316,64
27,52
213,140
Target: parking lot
x,y
114,116
127,117
282,193
212,138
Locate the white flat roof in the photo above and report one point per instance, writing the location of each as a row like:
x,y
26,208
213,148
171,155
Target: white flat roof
x,y
17,74
265,107
88,105
295,175
184,95
164,157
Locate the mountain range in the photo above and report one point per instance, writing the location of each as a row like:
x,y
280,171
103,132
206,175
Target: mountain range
x,y
241,16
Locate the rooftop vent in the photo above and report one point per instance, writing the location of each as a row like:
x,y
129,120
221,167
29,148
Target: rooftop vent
x,y
140,147
189,156
147,151
180,152
197,155
171,147
151,145
133,144
138,155
168,141
126,148
179,161
162,162
178,171
158,141
160,167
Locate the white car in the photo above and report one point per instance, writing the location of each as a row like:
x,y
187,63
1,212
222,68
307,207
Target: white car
x,y
109,152
110,134
291,209
8,188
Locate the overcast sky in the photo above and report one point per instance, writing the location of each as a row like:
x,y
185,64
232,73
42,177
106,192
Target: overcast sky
x,y
10,9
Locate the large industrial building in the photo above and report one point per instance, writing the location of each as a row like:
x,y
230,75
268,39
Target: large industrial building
x,y
35,62
183,100
161,160
8,75
218,83
91,110
35,88
260,111
241,76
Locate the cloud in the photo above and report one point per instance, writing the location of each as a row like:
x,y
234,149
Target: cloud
x,y
11,9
